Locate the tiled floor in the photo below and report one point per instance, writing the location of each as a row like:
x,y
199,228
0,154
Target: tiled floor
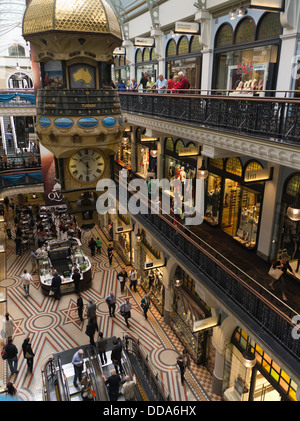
x,y
54,326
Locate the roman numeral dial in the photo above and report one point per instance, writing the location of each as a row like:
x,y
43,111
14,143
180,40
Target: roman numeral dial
x,y
87,165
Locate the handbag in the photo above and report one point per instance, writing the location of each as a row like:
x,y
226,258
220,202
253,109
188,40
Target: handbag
x,y
51,292
275,273
28,355
4,354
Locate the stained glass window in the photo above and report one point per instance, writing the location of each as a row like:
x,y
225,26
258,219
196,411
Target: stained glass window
x,y
195,44
224,36
254,166
269,26
146,54
183,46
245,31
234,166
293,187
179,145
169,145
217,163
139,56
171,48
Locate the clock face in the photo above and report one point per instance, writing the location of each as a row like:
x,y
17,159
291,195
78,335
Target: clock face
x,y
87,165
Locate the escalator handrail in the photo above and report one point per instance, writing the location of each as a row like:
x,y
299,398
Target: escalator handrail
x,y
97,391
131,372
62,381
45,377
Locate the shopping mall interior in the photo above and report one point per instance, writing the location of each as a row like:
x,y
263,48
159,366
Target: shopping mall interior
x,y
149,201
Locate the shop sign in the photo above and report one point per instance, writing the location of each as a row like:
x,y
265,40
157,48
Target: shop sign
x,y
244,68
258,175
144,42
119,51
189,151
187,28
155,264
121,229
272,5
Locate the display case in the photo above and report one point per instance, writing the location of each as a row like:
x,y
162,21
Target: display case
x,y
213,196
236,381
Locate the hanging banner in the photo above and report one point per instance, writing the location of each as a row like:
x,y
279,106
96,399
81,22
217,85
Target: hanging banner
x,y
52,189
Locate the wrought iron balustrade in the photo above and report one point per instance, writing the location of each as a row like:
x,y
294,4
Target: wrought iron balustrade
x,y
231,285
269,118
17,98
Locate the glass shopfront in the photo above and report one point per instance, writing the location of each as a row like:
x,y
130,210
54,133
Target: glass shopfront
x,y
250,69
124,152
184,55
122,241
230,203
121,71
146,61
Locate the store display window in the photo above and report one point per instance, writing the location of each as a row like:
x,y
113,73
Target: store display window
x,y
212,209
250,70
146,61
124,246
124,152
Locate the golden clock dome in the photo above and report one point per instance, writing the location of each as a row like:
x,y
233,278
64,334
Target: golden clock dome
x,y
86,16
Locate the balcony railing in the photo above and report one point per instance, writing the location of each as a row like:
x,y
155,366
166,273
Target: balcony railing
x,y
251,302
17,98
270,118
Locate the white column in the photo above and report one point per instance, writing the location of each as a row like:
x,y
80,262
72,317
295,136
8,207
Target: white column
x,y
130,56
159,37
205,20
268,213
286,71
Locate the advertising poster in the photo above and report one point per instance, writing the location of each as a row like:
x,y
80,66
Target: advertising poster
x,y
52,193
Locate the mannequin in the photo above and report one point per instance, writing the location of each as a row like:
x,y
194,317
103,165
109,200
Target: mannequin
x,y
183,175
171,170
144,161
254,85
247,85
240,87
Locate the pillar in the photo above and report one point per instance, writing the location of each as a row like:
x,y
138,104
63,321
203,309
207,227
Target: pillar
x,y
205,20
130,56
159,37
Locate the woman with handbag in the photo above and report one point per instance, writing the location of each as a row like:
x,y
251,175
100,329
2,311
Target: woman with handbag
x,y
282,265
28,353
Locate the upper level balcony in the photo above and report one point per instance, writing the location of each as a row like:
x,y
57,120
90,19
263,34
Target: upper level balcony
x,y
17,102
270,118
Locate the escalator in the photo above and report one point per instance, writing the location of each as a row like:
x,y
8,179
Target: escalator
x,y
58,374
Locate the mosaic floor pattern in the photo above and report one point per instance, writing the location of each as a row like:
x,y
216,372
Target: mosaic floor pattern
x,y
55,326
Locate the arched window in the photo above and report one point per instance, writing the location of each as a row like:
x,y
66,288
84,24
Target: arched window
x,y
224,36
245,31
16,50
293,185
153,54
179,145
20,80
269,26
146,54
171,48
183,46
234,166
195,44
217,163
138,56
169,145
253,166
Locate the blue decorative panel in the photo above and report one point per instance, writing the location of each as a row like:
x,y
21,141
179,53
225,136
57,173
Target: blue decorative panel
x,y
63,122
87,122
44,122
121,120
109,121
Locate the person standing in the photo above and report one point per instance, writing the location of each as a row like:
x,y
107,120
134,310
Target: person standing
x,y
12,356
33,262
110,251
28,353
133,275
77,362
183,85
111,302
116,355
18,241
92,246
133,85
55,285
101,348
113,383
90,331
145,304
143,81
122,277
170,83
160,85
86,393
128,388
183,362
80,306
26,278
91,311
283,265
125,308
8,327
76,278
99,245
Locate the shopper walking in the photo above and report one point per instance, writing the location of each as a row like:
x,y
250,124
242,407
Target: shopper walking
x,y
26,278
133,275
102,347
122,278
99,245
91,311
92,246
77,362
111,302
90,330
28,353
283,265
125,308
55,285
116,355
145,304
183,362
80,307
113,383
110,252
128,388
12,356
8,327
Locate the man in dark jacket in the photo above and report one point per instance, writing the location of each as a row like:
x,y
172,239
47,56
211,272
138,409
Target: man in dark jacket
x,y
55,285
116,355
101,348
76,278
90,330
122,277
113,383
12,359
